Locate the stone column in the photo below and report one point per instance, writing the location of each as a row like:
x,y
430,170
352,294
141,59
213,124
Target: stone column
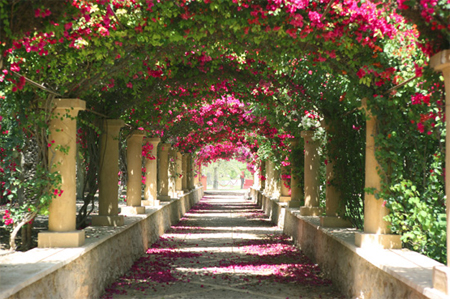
x,y
275,186
179,171
312,164
334,208
151,175
267,190
62,210
172,168
199,174
441,62
196,173
262,173
296,190
108,202
134,170
190,172
376,230
256,179
284,183
184,172
163,171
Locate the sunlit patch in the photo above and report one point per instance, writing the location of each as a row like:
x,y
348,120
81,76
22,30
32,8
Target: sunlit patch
x,y
235,254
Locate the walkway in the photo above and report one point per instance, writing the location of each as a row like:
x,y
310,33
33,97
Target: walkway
x,y
225,247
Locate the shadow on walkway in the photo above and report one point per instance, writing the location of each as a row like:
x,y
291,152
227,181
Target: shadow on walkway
x,y
224,247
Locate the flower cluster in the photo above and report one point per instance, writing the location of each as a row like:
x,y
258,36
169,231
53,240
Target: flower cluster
x,y
147,149
7,218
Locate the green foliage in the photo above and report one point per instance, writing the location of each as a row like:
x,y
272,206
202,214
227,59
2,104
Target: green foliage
x,y
230,170
419,219
347,151
410,149
29,184
149,67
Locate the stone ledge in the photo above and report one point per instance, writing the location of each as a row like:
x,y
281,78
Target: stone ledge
x,y
132,210
413,270
334,221
49,239
311,211
114,220
21,271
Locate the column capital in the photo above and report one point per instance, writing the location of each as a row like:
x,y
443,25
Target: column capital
x,y
166,147
153,140
76,104
113,123
440,61
137,133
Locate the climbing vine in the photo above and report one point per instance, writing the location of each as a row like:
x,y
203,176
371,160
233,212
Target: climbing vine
x,y
234,78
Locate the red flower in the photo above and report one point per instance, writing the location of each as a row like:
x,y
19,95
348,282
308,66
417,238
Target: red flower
x,y
361,73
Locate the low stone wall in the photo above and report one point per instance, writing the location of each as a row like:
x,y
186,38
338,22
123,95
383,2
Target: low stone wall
x,y
275,210
357,272
84,272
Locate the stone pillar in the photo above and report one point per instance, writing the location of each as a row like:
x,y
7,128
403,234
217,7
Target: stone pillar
x,y
134,169
262,173
275,186
256,179
334,208
196,173
172,168
269,181
441,62
312,164
108,201
376,230
199,174
151,175
296,190
163,171
184,159
62,210
190,172
267,189
179,171
284,183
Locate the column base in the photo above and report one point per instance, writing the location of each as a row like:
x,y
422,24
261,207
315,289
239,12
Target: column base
x,y
294,204
130,210
164,198
267,194
334,221
112,220
150,203
284,199
50,239
379,241
441,279
310,211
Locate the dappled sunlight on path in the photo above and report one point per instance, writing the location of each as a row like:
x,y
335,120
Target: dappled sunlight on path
x,y
224,247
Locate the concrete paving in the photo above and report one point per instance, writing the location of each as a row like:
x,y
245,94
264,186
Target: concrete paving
x,y
225,247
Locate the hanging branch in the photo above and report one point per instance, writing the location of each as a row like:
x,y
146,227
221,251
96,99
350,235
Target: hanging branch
x,y
37,84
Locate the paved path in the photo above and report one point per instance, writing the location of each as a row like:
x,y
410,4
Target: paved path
x,y
225,247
